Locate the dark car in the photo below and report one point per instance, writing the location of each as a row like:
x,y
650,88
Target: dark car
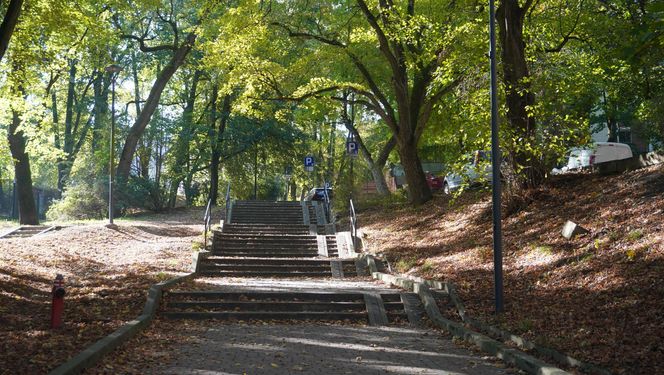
x,y
318,194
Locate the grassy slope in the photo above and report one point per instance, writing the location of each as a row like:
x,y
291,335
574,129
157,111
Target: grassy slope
x,y
587,296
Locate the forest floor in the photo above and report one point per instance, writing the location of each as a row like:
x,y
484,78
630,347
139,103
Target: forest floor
x,y
598,297
107,274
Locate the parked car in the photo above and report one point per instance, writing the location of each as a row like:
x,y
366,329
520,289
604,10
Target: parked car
x,y
476,170
600,152
318,194
434,182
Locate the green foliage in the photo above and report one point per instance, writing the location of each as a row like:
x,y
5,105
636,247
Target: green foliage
x,y
406,264
141,193
79,202
635,235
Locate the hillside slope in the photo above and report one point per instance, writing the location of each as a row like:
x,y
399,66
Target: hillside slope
x,y
598,297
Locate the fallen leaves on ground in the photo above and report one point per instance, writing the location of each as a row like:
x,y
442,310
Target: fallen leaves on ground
x,y
107,274
598,297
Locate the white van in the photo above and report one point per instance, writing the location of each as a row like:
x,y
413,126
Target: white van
x,y
600,152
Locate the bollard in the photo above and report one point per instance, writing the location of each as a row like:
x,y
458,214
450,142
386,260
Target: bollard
x,y
58,304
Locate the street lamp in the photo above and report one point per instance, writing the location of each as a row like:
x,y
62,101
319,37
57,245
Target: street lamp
x,y
113,70
495,164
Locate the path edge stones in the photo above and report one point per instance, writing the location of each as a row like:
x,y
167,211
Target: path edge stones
x,y
91,355
514,357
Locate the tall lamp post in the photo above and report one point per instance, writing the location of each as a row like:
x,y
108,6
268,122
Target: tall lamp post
x,y
495,165
113,70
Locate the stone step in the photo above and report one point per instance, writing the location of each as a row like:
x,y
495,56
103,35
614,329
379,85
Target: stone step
x,y
268,306
270,261
282,315
243,295
264,238
279,254
259,305
266,221
285,229
266,267
264,247
267,274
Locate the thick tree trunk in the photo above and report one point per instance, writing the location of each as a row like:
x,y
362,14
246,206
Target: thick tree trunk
x,y
216,141
9,22
27,209
181,149
418,189
64,166
142,121
518,94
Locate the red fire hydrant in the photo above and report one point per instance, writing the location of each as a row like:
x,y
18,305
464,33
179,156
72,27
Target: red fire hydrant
x,y
58,305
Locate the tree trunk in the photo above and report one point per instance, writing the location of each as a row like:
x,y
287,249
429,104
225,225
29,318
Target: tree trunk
x,y
144,152
518,94
216,141
100,88
418,189
142,121
375,166
181,148
26,201
8,24
64,166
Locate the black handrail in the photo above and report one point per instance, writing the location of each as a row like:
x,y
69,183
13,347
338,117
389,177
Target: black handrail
x,y
353,224
328,211
228,202
207,221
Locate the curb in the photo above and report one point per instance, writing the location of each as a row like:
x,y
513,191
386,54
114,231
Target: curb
x,y
94,353
511,356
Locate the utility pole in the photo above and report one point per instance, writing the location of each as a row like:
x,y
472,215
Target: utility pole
x,y
495,165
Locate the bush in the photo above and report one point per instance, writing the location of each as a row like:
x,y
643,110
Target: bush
x,y
141,193
79,202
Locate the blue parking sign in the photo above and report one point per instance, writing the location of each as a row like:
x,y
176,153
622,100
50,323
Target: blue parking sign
x,y
352,148
309,161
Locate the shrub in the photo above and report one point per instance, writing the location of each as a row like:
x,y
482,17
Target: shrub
x,y
79,202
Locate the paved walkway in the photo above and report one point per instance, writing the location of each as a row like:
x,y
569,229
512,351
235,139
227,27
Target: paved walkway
x,y
320,349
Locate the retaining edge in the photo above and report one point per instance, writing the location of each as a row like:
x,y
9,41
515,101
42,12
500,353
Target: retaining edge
x,y
95,352
514,357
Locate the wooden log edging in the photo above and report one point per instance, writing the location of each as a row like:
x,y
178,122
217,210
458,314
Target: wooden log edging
x,y
95,352
422,286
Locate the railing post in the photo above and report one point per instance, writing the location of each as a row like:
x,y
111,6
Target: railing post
x,y
207,218
227,205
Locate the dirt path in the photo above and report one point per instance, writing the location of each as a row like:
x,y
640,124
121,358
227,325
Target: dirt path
x,y
107,273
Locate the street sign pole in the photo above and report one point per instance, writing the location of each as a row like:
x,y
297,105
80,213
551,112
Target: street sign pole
x,y
495,164
351,149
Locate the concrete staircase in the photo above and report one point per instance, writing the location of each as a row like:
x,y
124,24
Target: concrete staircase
x,y
25,231
275,261
271,239
265,212
375,308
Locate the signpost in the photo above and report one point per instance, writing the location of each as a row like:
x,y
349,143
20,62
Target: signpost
x,y
352,148
309,163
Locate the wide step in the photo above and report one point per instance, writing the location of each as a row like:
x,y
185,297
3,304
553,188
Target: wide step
x,y
255,305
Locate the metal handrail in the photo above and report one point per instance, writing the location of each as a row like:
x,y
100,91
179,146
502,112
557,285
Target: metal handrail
x,y
328,211
228,201
353,224
207,219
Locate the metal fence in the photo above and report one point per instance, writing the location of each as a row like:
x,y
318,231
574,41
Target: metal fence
x,y
8,203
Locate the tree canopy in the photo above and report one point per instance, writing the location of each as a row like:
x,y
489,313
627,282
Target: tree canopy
x,y
212,92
